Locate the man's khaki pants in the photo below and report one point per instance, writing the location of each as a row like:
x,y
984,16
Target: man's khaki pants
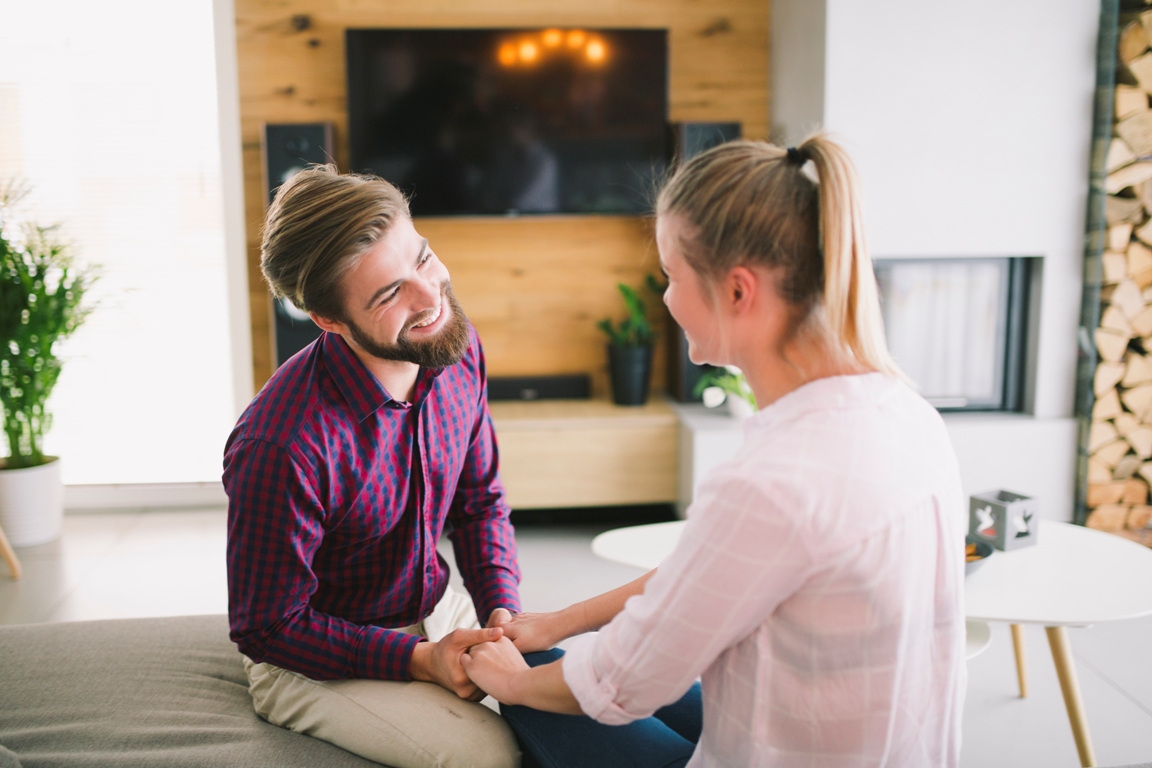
x,y
399,724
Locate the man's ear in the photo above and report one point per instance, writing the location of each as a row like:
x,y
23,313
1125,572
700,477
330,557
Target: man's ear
x,y
327,324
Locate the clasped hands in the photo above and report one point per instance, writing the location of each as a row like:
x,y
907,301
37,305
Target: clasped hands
x,y
474,662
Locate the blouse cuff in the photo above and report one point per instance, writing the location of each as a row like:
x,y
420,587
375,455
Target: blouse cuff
x,y
596,698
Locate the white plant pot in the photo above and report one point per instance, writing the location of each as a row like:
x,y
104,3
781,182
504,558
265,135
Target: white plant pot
x,y
31,503
738,407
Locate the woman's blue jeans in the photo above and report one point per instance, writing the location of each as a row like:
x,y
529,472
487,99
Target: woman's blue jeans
x,y
548,740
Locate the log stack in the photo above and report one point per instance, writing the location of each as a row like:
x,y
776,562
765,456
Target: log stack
x,y
1120,436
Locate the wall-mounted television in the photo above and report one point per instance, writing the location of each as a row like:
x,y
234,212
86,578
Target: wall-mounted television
x,y
511,121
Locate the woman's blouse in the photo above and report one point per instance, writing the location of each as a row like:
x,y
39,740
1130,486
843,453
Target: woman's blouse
x,y
817,590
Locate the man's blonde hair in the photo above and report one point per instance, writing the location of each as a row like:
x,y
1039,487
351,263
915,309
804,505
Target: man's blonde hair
x,y
319,225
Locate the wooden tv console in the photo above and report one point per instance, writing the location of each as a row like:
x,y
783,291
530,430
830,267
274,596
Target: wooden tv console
x,y
587,453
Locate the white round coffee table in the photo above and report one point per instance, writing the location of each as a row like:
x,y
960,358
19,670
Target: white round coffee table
x,y
1072,577
642,546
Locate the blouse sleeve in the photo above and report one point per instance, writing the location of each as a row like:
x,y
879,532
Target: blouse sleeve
x,y
741,554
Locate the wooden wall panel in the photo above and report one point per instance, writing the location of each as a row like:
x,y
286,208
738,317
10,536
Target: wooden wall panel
x,y
533,286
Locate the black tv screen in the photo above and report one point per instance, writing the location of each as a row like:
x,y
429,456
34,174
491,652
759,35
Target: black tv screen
x,y
511,121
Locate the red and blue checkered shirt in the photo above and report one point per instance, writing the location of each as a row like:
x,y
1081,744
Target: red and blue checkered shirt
x,y
337,495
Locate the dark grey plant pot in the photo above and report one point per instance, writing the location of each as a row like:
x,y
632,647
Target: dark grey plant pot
x,y
631,371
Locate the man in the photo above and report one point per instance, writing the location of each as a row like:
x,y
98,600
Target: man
x,y
341,476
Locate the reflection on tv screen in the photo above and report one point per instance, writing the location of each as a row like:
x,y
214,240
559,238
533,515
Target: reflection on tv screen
x,y
511,121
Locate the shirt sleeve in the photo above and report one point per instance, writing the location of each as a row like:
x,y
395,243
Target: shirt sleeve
x,y
275,525
741,554
481,531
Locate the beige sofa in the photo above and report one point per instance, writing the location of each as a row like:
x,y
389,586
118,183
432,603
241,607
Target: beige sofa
x,y
136,693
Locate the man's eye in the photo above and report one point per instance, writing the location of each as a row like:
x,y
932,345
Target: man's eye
x,y
424,260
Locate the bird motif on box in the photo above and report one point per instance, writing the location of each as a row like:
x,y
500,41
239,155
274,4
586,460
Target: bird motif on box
x,y
1022,522
985,524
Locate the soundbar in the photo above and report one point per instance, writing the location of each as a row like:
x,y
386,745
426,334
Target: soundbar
x,y
567,387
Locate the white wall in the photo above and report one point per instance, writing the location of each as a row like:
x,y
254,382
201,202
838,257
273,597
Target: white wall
x,y
232,184
970,124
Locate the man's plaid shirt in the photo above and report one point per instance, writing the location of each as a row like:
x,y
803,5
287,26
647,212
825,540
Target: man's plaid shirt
x,y
337,495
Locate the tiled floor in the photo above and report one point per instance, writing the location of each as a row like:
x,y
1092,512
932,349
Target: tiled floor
x,y
171,563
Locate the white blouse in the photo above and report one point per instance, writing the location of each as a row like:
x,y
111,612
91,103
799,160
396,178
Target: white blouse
x,y
817,589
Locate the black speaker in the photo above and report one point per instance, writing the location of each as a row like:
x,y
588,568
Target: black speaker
x,y
577,386
288,149
689,140
683,374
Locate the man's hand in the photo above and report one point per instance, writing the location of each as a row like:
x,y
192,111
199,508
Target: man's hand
x,y
440,662
494,666
532,631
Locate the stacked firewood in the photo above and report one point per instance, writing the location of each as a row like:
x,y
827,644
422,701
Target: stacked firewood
x,y
1120,438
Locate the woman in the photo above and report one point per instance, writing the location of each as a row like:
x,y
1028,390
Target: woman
x,y
817,588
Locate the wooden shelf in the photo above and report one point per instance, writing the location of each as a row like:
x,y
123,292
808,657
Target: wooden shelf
x,y
586,453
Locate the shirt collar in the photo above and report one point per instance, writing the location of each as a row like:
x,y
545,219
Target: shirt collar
x,y
827,394
363,392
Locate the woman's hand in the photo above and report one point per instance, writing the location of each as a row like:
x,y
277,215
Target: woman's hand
x,y
493,667
531,632
540,631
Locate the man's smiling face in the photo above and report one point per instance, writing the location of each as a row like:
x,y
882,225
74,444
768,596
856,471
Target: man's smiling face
x,y
398,302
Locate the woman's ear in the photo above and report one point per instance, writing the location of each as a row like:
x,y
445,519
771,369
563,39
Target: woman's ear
x,y
741,288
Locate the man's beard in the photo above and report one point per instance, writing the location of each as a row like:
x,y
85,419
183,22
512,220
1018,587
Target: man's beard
x,y
442,350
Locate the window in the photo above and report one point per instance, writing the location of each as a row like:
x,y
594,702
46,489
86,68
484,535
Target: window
x,y
956,328
109,111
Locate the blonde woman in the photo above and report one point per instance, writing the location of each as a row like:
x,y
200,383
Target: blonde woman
x,y
817,590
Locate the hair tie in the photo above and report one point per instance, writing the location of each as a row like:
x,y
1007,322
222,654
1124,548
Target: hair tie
x,y
796,157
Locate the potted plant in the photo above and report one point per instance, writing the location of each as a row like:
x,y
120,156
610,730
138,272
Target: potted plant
x,y
727,385
41,303
630,350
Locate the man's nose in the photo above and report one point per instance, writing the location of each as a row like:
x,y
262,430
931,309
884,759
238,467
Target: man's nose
x,y
429,296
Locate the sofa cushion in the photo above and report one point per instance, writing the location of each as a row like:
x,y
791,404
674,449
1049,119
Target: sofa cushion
x,y
140,692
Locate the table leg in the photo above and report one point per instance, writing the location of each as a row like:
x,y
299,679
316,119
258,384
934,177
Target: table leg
x,y
9,556
1021,659
1070,687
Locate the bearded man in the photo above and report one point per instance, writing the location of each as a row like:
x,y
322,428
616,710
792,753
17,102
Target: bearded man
x,y
341,476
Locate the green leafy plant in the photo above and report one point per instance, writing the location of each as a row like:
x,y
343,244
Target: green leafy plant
x,y
729,380
41,303
635,330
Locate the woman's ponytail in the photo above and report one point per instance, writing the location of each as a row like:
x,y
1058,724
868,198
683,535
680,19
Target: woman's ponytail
x,y
851,300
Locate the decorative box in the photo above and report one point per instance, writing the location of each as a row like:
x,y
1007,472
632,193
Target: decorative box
x,y
1004,519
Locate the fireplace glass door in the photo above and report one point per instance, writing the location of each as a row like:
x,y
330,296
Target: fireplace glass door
x,y
955,327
